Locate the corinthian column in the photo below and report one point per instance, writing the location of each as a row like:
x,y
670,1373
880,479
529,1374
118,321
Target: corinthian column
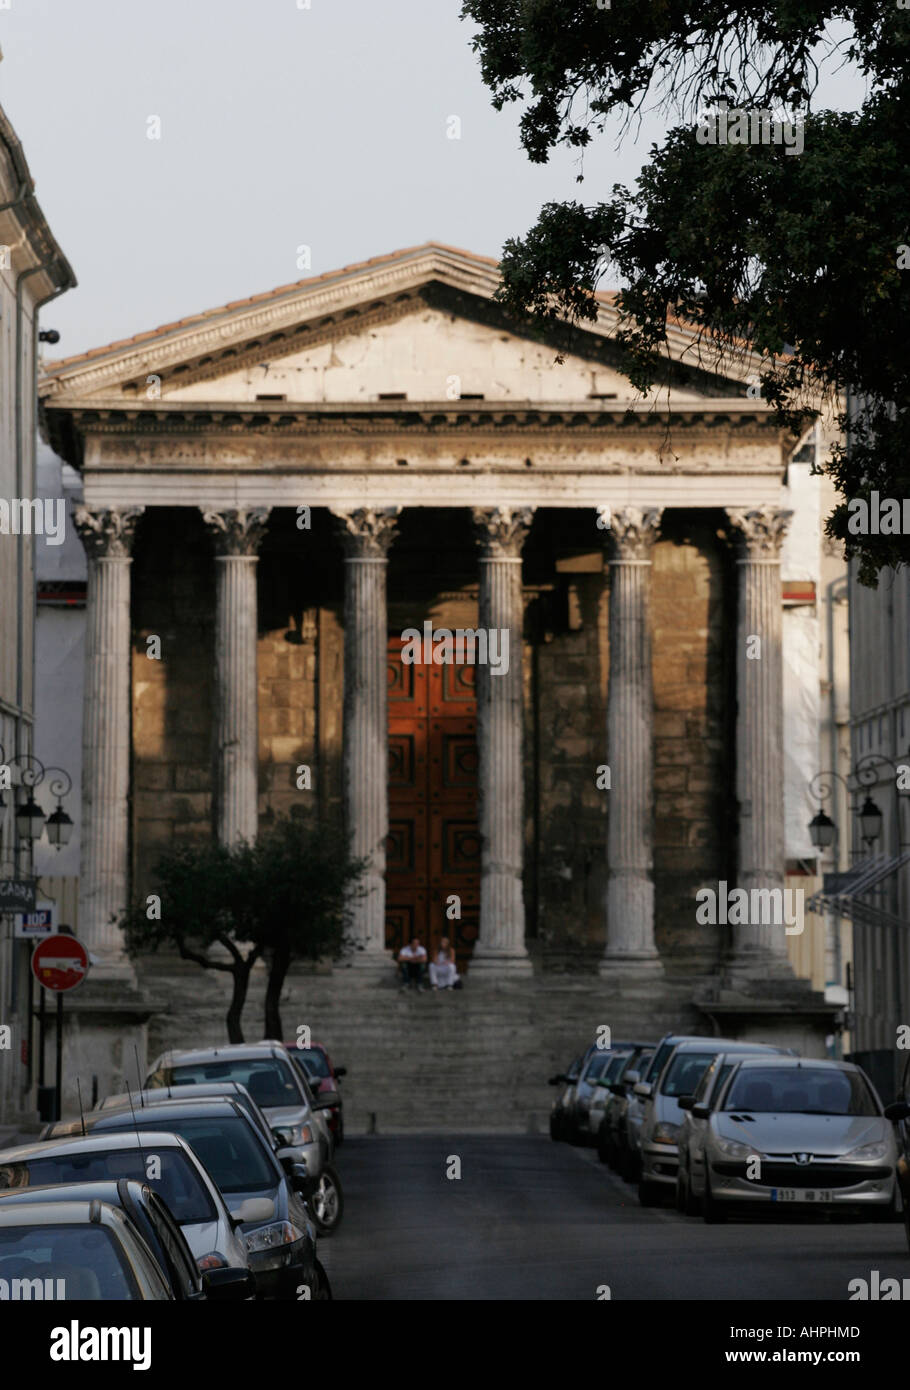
x,y
237,536
367,535
759,728
107,536
500,948
630,718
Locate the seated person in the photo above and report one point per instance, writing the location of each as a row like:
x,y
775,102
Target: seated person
x,y
412,964
443,970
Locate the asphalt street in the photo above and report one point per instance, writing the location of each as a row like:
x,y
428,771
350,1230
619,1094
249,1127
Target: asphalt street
x,y
530,1219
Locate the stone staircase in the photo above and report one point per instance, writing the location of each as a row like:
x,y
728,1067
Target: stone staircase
x,y
475,1059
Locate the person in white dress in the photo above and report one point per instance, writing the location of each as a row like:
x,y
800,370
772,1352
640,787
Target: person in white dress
x,y
443,970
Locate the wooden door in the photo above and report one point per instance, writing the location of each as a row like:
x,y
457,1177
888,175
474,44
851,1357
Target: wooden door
x,y
433,849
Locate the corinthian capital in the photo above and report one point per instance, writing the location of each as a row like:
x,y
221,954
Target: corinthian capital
x,y
107,532
634,532
236,531
761,530
367,532
501,531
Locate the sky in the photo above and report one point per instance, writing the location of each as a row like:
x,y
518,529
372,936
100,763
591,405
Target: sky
x,y
283,124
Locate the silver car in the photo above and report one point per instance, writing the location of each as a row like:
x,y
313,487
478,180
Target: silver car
x,y
284,1097
795,1133
163,1161
689,1140
639,1098
681,1074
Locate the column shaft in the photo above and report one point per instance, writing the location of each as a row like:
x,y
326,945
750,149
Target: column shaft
x,y
367,536
237,535
759,723
104,868
500,947
630,705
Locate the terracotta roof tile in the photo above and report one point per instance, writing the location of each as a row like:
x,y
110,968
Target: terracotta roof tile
x,y
51,367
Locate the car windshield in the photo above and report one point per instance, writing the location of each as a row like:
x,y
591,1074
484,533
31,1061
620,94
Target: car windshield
x,y
225,1146
268,1081
684,1073
314,1059
87,1259
799,1091
658,1060
598,1065
167,1172
614,1070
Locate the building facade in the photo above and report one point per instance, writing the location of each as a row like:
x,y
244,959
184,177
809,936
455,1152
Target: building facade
x,y
33,271
292,504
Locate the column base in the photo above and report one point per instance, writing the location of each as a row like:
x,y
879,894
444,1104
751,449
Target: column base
x,y
646,964
489,966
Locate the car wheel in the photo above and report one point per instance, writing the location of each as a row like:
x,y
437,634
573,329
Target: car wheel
x,y
603,1149
327,1202
648,1193
680,1190
555,1129
907,1220
715,1213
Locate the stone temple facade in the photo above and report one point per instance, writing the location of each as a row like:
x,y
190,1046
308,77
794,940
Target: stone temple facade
x,y
282,489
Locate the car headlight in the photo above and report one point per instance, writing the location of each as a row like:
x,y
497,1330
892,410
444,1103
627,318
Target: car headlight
x,y
732,1148
665,1134
879,1148
296,1135
273,1236
212,1261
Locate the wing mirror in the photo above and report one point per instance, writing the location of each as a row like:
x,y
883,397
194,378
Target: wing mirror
x,y
685,1102
258,1209
898,1110
642,1088
701,1112
325,1100
341,1071
558,1080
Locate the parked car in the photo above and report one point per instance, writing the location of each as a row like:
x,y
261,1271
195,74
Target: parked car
x,y
216,1090
681,1074
162,1161
612,1136
899,1114
264,1191
562,1105
324,1078
695,1110
105,1242
283,1094
639,1097
568,1118
601,1094
787,1132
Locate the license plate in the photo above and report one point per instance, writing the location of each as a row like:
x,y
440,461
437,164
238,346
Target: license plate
x,y
801,1194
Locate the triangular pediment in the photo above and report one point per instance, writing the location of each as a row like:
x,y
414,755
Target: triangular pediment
x,y
420,325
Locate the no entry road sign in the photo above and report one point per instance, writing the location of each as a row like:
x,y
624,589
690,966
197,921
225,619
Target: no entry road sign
x,y
60,963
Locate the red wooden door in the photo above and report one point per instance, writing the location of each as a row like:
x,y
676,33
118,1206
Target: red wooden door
x,y
433,849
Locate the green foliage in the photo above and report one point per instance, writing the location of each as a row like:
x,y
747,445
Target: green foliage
x,y
798,254
285,891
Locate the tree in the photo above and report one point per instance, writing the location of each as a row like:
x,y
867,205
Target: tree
x,y
804,255
304,876
281,898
